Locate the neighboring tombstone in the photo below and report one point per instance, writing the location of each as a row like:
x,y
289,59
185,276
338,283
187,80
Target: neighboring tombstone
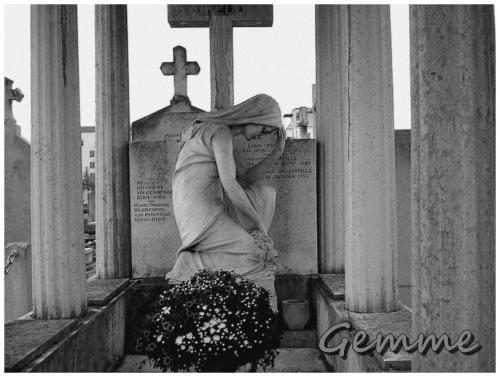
x,y
17,212
153,153
402,140
17,173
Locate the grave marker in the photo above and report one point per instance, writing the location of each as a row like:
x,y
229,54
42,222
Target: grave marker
x,y
221,19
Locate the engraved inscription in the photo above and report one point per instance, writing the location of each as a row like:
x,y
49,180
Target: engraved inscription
x,y
291,165
152,202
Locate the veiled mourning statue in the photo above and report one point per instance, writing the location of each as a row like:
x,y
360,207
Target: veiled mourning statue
x,y
222,209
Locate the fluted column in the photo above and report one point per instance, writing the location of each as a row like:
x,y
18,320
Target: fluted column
x,y
112,138
331,131
59,285
370,195
453,181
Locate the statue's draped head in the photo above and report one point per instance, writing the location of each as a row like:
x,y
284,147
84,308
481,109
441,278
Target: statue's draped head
x,y
260,110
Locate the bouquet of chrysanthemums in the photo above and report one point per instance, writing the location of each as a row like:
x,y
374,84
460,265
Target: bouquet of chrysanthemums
x,y
216,321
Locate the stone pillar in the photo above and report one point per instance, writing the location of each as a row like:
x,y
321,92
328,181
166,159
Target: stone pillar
x,y
59,284
453,181
330,131
221,61
370,194
112,201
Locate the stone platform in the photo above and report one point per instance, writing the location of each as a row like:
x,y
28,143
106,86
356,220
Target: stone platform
x,y
289,360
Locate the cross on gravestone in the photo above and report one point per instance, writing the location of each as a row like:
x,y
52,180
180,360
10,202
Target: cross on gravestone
x,y
221,19
9,96
180,69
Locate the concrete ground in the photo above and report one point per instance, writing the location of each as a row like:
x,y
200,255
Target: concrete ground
x,y
288,360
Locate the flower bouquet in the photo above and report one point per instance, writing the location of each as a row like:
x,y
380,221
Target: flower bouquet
x,y
216,321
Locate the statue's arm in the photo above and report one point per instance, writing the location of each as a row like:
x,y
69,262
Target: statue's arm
x,y
222,145
258,171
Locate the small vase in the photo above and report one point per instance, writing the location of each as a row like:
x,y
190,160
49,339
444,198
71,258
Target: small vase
x,y
295,313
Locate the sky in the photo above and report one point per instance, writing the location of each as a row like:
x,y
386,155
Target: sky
x,y
279,61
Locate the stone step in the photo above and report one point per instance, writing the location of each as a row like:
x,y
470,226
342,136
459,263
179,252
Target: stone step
x,y
289,360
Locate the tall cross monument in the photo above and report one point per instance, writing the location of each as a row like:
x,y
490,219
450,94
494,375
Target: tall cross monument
x,y
221,19
180,69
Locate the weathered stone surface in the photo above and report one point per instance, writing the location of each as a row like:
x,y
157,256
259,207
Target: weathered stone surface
x,y
334,285
112,201
180,69
59,286
96,345
453,181
155,238
27,339
331,132
370,192
164,124
102,291
152,157
402,140
293,228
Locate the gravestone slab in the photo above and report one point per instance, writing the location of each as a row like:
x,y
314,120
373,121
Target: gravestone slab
x,y
153,154
155,237
293,228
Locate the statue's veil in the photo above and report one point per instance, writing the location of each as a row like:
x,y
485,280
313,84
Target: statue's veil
x,y
260,110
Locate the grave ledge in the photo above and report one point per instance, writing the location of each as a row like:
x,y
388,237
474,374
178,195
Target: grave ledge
x,y
93,342
331,287
101,291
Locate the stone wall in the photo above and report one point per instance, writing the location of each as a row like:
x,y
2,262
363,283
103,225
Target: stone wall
x,y
97,342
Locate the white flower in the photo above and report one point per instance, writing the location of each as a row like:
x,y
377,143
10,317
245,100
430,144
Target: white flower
x,y
189,335
216,337
206,339
179,340
204,307
166,310
159,337
222,325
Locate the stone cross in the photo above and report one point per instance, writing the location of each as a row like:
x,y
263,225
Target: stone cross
x,y
9,96
221,19
180,69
